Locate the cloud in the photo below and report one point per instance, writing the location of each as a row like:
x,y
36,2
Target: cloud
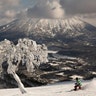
x,y
79,6
8,10
10,2
61,8
46,9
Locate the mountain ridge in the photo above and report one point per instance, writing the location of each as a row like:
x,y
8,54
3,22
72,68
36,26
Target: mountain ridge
x,y
47,29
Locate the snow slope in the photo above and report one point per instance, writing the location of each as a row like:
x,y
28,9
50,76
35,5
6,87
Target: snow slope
x,y
61,89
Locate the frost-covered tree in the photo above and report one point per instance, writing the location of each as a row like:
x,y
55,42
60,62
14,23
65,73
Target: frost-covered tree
x,y
26,51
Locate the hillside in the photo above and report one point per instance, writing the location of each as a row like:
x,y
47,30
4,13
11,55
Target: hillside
x,y
61,89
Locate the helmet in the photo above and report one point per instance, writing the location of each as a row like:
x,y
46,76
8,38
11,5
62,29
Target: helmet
x,y
77,78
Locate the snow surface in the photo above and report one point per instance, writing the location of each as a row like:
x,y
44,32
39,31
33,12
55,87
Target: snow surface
x,y
60,89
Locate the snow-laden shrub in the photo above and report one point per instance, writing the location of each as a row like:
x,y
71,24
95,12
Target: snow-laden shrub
x,y
26,51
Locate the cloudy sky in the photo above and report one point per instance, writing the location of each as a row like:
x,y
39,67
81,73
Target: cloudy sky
x,y
44,8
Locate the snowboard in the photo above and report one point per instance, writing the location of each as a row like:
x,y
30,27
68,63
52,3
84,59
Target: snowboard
x,y
82,88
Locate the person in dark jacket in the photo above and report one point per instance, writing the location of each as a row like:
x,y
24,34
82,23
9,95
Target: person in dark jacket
x,y
78,84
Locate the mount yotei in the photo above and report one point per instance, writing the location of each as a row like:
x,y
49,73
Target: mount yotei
x,y
67,31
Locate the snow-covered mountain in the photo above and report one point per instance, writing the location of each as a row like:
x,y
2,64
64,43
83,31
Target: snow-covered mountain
x,y
45,30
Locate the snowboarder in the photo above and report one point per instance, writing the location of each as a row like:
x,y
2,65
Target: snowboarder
x,y
77,84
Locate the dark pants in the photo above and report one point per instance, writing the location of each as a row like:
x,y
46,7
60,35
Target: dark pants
x,y
77,87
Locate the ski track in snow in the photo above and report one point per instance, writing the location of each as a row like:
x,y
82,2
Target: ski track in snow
x,y
61,89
